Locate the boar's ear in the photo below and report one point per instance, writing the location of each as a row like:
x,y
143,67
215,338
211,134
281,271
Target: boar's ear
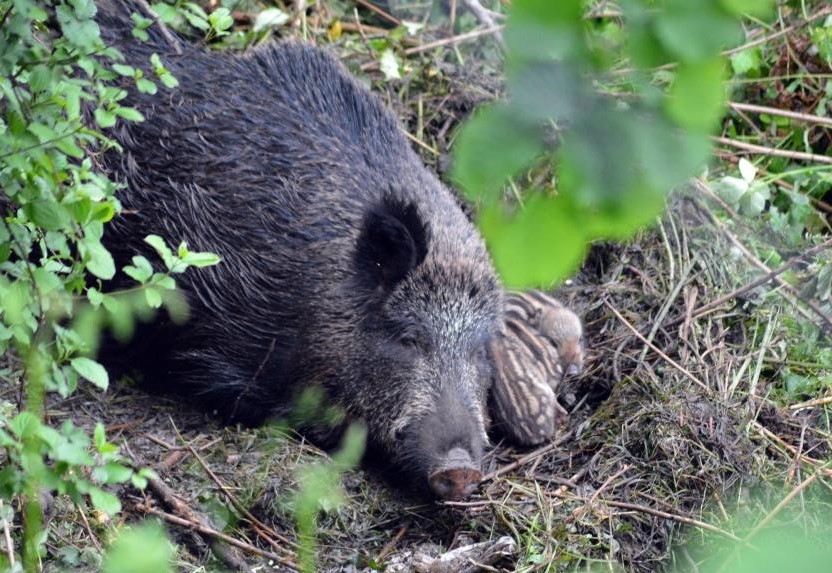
x,y
393,242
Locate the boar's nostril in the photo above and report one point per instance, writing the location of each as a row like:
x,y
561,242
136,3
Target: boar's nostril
x,y
573,370
455,483
457,478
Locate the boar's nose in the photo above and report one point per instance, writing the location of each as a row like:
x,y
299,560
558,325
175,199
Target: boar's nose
x,y
573,370
457,478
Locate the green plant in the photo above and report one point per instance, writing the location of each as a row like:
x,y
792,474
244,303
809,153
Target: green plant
x,y
616,157
55,81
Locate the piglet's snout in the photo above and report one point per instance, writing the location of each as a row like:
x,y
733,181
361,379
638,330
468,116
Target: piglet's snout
x,y
458,476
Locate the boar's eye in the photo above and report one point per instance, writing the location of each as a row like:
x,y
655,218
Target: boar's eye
x,y
409,340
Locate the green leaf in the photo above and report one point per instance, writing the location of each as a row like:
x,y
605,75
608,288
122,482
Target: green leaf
x,y
153,298
104,118
537,246
270,18
161,247
123,70
146,86
94,296
84,9
108,503
99,436
543,29
168,80
100,262
201,260
142,549
757,8
221,20
696,31
696,100
129,114
745,62
49,215
112,472
477,168
43,132
166,12
389,65
92,371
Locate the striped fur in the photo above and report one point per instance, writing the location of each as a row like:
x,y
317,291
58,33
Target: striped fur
x,y
540,341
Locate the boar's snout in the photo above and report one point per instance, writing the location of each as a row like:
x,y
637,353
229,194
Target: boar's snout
x,y
458,478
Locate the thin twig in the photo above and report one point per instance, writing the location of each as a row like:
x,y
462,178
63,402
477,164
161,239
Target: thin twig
x,y
379,11
771,275
373,66
210,532
807,117
7,536
486,18
672,516
765,39
817,464
88,528
529,457
811,403
655,348
390,545
763,150
779,507
172,40
453,40
607,482
261,528
791,294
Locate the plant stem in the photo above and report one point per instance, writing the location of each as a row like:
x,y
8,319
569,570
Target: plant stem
x,y
36,372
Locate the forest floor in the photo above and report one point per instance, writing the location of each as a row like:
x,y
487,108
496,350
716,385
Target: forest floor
x,y
702,415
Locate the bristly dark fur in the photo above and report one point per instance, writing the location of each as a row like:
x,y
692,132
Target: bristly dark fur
x,y
345,263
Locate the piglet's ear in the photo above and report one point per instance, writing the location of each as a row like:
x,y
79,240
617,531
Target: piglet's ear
x,y
393,242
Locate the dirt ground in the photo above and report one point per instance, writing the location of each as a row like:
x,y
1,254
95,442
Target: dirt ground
x,y
676,441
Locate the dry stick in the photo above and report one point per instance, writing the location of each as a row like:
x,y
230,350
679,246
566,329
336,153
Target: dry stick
x,y
761,149
807,117
607,482
453,40
7,536
390,545
93,538
672,516
170,500
205,530
379,11
370,66
799,24
419,142
767,519
817,464
811,403
779,507
485,17
529,457
713,305
792,291
655,348
262,529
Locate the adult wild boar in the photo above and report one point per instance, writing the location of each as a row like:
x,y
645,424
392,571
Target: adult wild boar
x,y
346,264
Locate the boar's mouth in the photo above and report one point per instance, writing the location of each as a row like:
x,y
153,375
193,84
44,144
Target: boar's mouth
x,y
456,477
